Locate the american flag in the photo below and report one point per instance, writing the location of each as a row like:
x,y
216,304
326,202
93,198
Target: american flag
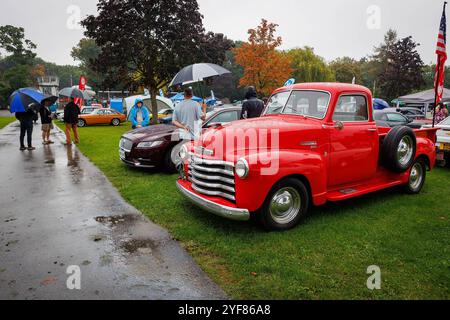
x,y
441,51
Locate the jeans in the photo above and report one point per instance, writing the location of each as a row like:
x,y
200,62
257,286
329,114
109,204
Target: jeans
x,y
26,127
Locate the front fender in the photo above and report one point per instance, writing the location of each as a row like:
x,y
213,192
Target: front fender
x,y
267,168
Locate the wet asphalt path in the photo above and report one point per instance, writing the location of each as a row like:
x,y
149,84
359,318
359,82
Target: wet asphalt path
x,y
58,210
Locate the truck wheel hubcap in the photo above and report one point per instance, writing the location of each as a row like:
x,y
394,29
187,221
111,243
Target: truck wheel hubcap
x,y
405,150
285,205
416,176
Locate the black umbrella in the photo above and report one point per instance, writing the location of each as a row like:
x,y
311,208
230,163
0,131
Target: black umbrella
x,y
197,73
50,99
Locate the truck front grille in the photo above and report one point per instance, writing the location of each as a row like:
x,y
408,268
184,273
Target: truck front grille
x,y
212,177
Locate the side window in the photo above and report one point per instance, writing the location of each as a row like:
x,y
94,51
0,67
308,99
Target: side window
x,y
101,112
225,117
351,108
395,117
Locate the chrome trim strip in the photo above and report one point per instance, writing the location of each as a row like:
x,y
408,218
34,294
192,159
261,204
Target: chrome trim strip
x,y
217,209
213,178
214,193
213,170
212,185
198,160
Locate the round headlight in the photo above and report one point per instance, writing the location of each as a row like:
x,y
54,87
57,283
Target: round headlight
x,y
242,169
184,152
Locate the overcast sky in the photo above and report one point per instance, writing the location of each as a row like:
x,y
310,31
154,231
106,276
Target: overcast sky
x,y
333,27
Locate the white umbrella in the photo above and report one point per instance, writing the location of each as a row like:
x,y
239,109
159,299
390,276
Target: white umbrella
x,y
197,73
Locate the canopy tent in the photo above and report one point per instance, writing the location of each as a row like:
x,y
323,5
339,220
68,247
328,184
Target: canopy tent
x,y
422,98
180,97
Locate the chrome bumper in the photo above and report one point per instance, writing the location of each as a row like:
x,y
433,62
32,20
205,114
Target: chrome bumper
x,y
217,209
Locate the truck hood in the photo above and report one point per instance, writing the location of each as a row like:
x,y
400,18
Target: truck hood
x,y
273,133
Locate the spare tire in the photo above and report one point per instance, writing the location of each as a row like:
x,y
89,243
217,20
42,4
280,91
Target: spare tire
x,y
398,151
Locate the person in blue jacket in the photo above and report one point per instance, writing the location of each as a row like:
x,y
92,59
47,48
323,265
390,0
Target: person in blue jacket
x,y
139,115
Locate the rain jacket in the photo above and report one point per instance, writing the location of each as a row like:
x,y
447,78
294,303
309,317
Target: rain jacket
x,y
253,107
145,114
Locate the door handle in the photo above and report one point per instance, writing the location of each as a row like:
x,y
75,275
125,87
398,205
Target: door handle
x,y
372,130
338,126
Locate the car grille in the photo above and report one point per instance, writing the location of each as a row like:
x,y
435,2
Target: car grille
x,y
126,144
212,177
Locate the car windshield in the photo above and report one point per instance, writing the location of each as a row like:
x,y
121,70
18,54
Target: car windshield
x,y
300,102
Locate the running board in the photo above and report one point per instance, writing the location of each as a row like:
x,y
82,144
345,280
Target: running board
x,y
352,192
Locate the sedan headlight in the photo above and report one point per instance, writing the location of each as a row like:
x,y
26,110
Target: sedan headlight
x,y
242,168
149,144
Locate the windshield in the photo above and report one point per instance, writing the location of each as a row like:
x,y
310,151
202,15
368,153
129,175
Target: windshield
x,y
301,102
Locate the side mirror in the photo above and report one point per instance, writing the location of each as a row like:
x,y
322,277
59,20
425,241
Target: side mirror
x,y
339,125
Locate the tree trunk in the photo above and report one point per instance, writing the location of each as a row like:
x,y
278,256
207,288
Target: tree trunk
x,y
153,94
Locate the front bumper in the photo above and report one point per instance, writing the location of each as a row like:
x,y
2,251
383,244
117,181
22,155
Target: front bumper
x,y
215,208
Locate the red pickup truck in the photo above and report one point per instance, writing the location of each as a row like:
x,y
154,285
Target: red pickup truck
x,y
315,143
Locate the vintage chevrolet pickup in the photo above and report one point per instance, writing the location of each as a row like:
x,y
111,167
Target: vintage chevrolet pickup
x,y
315,143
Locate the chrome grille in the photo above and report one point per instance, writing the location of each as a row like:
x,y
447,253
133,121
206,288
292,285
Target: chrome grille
x,y
126,144
212,177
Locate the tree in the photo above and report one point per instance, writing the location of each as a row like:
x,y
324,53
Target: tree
x,y
12,40
87,52
146,42
264,66
402,72
309,67
345,69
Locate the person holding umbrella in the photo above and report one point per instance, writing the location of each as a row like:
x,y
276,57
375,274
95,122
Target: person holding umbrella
x,y
24,103
46,119
71,113
187,115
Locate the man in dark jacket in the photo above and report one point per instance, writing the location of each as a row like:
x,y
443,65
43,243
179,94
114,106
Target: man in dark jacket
x,y
71,113
252,107
26,127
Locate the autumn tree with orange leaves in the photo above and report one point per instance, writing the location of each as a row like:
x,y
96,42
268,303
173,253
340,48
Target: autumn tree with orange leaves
x,y
265,67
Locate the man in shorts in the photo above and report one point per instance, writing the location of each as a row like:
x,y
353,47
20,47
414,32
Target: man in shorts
x,y
47,123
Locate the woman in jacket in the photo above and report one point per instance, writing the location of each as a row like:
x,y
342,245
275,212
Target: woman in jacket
x,y
47,122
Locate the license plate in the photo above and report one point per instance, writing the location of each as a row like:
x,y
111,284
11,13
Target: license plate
x,y
122,154
445,147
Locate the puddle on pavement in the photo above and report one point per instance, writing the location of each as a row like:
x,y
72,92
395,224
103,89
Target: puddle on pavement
x,y
116,220
144,246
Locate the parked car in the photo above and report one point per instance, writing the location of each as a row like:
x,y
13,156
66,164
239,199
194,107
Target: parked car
x,y
152,146
88,110
390,119
409,112
443,141
307,149
101,116
164,113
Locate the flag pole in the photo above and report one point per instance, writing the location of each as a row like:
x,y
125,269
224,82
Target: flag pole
x,y
436,84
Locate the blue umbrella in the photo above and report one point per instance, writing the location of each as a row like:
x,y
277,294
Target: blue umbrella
x,y
25,99
380,104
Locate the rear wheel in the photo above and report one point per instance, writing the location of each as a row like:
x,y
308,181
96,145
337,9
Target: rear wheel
x,y
81,123
417,177
115,122
286,205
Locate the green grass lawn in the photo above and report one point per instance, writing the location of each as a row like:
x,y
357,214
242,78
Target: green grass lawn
x,y
408,237
4,121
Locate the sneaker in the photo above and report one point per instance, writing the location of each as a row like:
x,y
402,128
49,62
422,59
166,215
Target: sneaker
x,y
23,148
31,148
50,142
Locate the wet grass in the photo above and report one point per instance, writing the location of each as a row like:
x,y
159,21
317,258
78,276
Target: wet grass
x,y
408,237
4,121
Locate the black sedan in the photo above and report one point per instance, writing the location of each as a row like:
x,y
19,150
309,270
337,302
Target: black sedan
x,y
152,146
409,112
387,118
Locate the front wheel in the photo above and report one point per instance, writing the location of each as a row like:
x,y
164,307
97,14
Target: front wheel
x,y
81,123
115,122
417,177
286,205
